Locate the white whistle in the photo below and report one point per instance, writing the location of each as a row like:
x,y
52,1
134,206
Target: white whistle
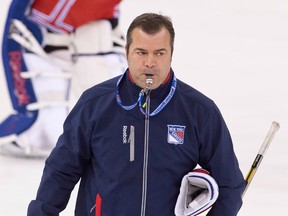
x,y
149,82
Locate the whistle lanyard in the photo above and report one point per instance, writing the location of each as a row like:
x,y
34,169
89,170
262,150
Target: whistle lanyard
x,y
141,95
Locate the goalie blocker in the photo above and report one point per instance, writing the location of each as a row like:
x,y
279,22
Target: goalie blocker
x,y
198,192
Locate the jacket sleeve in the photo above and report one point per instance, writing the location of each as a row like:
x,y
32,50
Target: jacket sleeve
x,y
218,157
64,166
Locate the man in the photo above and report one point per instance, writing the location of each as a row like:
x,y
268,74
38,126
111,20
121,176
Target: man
x,y
132,150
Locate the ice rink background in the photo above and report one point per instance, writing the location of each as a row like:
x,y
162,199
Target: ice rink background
x,y
235,52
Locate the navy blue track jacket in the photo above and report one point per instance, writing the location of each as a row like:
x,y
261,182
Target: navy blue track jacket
x,y
131,164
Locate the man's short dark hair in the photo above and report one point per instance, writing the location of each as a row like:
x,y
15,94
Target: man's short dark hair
x,y
150,23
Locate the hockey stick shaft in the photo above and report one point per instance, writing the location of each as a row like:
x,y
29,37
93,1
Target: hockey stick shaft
x,y
273,129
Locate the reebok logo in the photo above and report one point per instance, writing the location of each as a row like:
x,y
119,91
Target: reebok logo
x,y
19,83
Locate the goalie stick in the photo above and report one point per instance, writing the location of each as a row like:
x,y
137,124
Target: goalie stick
x,y
273,129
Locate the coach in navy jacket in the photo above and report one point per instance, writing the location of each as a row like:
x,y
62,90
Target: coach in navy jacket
x,y
132,139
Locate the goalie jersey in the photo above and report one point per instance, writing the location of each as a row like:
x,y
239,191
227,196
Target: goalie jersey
x,y
65,16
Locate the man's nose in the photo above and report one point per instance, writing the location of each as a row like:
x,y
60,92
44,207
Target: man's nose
x,y
150,61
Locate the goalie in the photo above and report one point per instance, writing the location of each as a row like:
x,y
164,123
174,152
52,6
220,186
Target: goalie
x,y
52,51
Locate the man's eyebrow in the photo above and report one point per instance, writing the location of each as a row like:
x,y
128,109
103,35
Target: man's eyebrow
x,y
157,50
139,49
160,50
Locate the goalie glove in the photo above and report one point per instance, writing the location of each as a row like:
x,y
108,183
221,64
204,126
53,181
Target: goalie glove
x,y
198,192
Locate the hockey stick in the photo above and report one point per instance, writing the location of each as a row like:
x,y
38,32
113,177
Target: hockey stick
x,y
274,128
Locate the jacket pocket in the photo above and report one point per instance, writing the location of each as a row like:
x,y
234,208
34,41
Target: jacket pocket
x,y
132,143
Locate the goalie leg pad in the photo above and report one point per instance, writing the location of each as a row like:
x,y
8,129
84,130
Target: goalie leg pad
x,y
95,57
41,133
91,38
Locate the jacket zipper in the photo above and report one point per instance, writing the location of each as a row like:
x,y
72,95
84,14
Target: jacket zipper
x,y
145,160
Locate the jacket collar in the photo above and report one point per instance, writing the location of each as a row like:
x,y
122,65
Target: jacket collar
x,y
129,95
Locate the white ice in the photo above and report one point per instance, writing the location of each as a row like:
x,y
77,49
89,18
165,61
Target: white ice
x,y
235,52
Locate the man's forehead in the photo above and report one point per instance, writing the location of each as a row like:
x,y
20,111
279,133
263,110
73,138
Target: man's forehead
x,y
143,40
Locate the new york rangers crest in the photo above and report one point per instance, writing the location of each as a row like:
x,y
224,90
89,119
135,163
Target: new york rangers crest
x,y
175,134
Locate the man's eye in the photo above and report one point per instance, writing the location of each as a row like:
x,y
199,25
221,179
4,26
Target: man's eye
x,y
141,53
160,53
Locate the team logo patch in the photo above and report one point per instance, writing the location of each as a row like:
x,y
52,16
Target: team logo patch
x,y
175,134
